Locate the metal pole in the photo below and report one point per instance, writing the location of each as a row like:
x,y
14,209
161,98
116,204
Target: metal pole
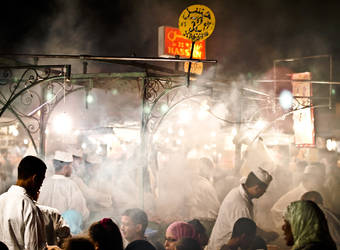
x,y
238,144
330,79
143,145
42,131
189,67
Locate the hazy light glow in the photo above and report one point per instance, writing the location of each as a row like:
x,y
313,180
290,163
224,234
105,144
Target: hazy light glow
x,y
181,132
185,116
260,124
62,123
49,96
25,141
286,99
155,137
89,99
331,145
13,130
164,108
170,131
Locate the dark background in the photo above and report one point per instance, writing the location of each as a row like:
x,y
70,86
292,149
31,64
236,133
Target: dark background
x,y
248,36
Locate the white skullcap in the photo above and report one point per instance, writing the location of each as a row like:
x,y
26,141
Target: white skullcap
x,y
94,159
263,175
63,156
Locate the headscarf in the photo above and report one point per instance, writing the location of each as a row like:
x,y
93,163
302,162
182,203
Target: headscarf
x,y
180,229
308,225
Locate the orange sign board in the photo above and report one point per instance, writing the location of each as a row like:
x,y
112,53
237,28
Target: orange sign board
x,y
172,43
303,117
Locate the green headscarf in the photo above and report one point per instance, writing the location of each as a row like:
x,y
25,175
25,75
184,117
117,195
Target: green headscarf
x,y
308,225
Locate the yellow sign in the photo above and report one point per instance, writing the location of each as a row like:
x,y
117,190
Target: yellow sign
x,y
196,22
196,68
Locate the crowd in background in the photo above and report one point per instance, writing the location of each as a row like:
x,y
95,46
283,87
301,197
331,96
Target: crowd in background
x,y
75,203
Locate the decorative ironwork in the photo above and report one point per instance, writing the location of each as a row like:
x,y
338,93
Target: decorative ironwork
x,y
154,86
25,96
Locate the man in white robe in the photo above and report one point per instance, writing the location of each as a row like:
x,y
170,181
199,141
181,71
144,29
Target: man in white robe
x,y
21,222
237,204
60,191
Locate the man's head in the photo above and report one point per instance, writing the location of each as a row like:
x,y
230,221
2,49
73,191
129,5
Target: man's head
x,y
203,238
257,182
244,231
133,224
312,196
62,162
31,174
77,154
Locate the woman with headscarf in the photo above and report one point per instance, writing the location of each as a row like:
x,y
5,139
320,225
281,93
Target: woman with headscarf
x,y
176,231
305,227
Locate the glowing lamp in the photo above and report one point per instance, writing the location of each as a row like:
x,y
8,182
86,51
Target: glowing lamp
x,y
62,123
286,99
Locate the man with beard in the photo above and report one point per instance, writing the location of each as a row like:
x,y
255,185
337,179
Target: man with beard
x,y
59,191
237,204
21,222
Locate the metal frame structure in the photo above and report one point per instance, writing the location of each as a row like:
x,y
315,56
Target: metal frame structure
x,y
54,78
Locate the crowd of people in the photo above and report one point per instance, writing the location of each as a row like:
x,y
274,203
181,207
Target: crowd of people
x,y
58,211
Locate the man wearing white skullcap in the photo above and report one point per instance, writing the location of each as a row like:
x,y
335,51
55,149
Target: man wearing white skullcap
x,y
237,204
60,191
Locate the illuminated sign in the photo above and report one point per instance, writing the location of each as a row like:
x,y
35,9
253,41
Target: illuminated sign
x,y
172,43
196,22
196,68
304,117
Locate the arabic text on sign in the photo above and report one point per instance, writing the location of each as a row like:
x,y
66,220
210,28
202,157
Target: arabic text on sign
x,y
196,22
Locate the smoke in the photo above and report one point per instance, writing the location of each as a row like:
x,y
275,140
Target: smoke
x,y
223,111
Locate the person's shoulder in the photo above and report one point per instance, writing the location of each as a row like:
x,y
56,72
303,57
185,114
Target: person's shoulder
x,y
234,194
140,245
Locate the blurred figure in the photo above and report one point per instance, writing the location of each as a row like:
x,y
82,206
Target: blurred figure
x,y
78,243
60,191
202,198
133,225
332,220
313,179
188,244
106,235
96,200
21,222
298,172
237,204
305,227
201,232
176,231
243,235
56,229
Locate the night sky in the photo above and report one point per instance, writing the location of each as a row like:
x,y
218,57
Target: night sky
x,y
248,36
